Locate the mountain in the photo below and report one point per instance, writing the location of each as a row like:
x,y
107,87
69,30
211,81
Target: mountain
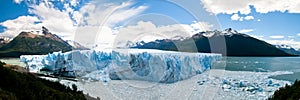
x,y
29,43
76,45
287,49
236,44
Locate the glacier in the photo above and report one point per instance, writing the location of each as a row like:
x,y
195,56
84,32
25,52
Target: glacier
x,y
119,64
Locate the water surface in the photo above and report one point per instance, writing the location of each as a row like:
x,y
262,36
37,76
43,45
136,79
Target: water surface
x,y
13,61
263,64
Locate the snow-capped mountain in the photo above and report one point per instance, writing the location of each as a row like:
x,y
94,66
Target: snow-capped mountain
x,y
178,38
288,49
31,43
76,45
228,42
226,32
36,42
284,46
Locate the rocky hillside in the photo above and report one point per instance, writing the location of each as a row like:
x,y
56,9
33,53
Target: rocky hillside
x,y
29,43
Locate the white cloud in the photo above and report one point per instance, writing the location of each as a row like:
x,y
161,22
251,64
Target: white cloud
x,y
73,2
147,31
291,42
249,17
110,13
241,19
298,34
258,36
235,17
45,14
101,31
226,6
243,6
18,1
64,22
102,36
121,15
201,26
246,30
258,20
292,6
277,36
56,21
22,23
107,37
95,23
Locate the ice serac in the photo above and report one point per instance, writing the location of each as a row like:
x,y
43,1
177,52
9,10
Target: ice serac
x,y
134,64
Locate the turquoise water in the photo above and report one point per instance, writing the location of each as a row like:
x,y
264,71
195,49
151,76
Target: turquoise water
x,y
263,64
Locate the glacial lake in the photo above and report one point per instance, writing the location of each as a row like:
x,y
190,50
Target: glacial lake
x,y
13,61
263,64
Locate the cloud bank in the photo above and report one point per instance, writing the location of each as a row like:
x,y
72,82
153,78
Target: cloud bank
x,y
243,6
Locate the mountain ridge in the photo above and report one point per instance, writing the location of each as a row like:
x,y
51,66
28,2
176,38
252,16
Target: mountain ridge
x,y
228,42
287,49
28,43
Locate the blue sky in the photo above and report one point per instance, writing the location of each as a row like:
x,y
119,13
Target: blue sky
x,y
269,20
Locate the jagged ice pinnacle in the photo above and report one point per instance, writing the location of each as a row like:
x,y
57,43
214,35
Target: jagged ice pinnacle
x,y
134,64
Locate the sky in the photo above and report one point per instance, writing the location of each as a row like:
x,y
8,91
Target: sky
x,y
113,23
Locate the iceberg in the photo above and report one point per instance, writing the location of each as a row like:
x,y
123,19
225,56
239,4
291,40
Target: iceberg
x,y
130,64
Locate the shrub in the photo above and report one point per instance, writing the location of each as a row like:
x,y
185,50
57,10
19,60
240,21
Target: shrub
x,y
289,92
15,85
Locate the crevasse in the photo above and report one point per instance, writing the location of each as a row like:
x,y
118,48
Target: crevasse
x,y
134,64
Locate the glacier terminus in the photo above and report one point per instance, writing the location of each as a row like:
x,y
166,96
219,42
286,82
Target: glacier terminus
x,y
130,64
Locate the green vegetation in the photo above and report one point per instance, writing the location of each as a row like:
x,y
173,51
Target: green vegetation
x,y
25,45
25,86
289,92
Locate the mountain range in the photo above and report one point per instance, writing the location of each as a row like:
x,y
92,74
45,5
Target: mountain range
x,y
228,42
287,49
28,43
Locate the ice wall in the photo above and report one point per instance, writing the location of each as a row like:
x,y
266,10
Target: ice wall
x,y
136,64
